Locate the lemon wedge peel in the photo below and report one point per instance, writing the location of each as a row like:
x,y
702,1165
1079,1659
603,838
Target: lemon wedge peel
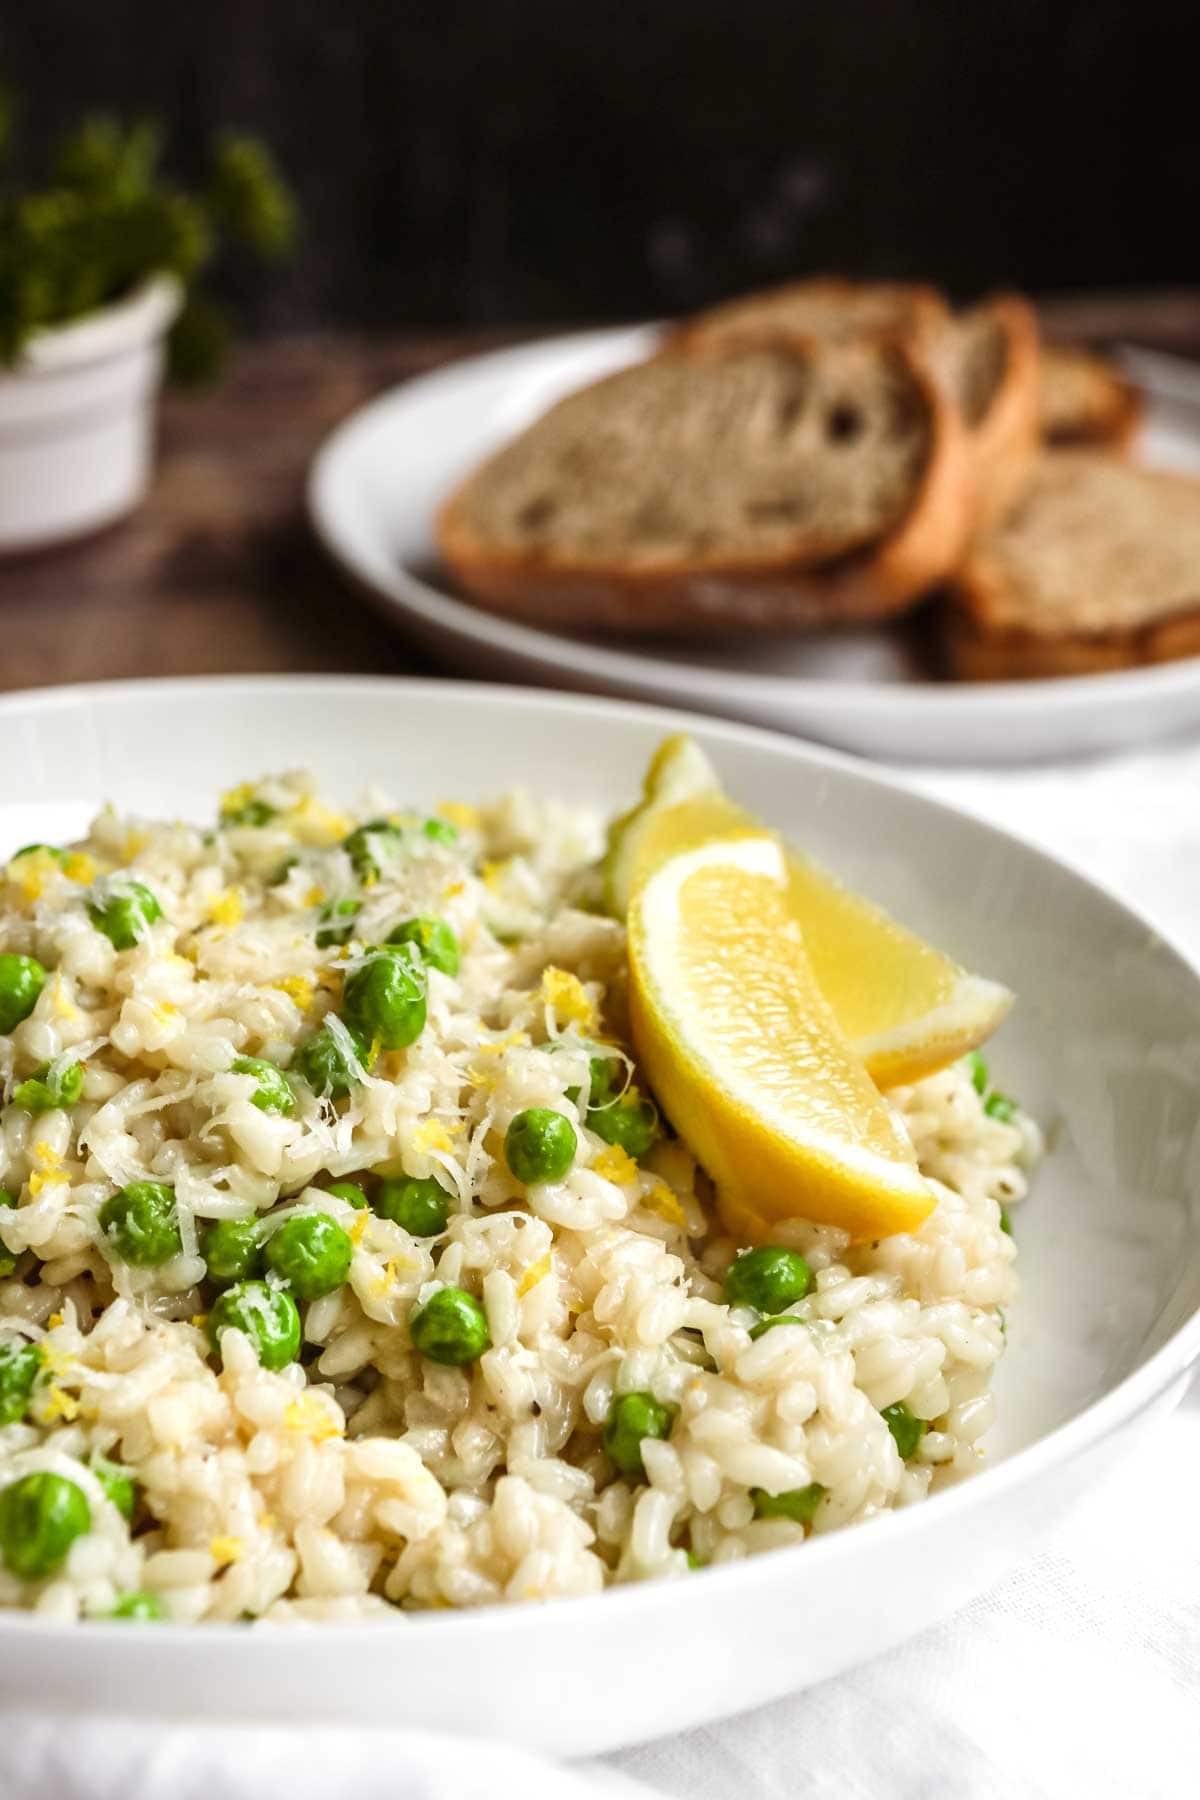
x,y
907,1009
746,1055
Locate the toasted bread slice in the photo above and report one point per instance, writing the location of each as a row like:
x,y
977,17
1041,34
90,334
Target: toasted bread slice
x,y
825,307
781,485
1097,567
988,355
1085,401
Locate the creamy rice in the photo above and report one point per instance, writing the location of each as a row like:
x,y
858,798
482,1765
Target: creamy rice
x,y
363,1477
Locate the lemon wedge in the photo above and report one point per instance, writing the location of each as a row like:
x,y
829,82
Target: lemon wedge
x,y
906,1008
747,1058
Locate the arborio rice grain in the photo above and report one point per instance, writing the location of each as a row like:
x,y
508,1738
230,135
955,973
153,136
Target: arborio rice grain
x,y
364,1478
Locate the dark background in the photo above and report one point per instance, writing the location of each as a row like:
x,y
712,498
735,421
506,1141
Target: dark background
x,y
525,160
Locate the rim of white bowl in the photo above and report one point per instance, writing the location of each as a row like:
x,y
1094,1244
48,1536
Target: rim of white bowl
x,y
1085,1429
590,660
139,316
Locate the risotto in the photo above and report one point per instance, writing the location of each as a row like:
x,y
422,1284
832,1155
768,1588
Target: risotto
x,y
346,1270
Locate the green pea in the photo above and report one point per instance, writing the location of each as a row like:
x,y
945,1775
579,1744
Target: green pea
x,y
601,1074
440,831
696,1561
632,1417
328,933
385,999
977,1069
45,1090
367,843
451,1327
8,1258
436,943
232,1249
421,1207
126,914
252,812
798,1503
119,1483
630,1122
324,1064
41,1515
540,1145
999,1106
272,1094
147,1608
1006,1220
770,1279
765,1325
22,979
19,1366
141,1225
60,856
267,1315
905,1427
350,1192
312,1253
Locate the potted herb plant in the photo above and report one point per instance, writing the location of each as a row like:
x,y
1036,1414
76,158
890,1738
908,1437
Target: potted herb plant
x,y
101,270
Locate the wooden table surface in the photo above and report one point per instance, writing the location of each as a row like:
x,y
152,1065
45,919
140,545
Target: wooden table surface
x,y
218,572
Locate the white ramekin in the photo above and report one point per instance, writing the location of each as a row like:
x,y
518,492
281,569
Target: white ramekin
x,y
77,416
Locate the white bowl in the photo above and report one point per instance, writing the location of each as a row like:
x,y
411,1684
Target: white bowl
x,y
1104,1046
77,419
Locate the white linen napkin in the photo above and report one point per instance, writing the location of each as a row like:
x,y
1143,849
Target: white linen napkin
x,y
1077,1679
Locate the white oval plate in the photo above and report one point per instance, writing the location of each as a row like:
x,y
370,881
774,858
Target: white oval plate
x,y
375,485
1104,1046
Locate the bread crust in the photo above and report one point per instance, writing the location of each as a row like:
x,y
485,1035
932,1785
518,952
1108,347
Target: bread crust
x,y
728,594
976,655
920,311
1006,440
986,638
1114,410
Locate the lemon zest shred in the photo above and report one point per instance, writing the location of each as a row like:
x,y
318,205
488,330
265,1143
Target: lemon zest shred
x,y
431,1134
453,889
615,1164
63,1008
135,843
199,1320
297,989
314,823
536,1272
314,896
500,1045
565,993
59,1404
227,908
308,1414
49,1169
80,867
459,813
492,872
358,1226
226,1550
32,872
266,1521
662,1201
235,798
